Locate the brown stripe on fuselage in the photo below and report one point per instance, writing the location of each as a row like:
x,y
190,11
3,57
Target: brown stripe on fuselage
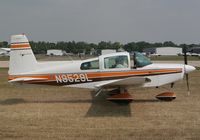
x,y
96,76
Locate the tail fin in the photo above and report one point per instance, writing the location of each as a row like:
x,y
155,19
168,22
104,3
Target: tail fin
x,y
22,59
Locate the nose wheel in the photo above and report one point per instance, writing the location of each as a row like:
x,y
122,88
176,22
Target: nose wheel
x,y
166,96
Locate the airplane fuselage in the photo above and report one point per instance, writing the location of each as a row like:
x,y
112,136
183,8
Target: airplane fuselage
x,y
110,70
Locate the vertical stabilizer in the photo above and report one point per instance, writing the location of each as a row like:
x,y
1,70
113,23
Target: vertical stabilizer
x,y
22,59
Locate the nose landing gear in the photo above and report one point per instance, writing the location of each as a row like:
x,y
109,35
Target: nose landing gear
x,y
166,96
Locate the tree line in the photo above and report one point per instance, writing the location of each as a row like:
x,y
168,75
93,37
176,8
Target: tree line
x,y
41,47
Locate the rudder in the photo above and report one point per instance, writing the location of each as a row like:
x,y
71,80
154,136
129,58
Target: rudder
x,y
22,59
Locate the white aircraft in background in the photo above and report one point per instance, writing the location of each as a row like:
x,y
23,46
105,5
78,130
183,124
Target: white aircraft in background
x,y
5,51
110,71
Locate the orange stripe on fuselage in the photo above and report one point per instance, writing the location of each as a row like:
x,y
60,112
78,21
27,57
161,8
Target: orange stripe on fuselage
x,y
15,46
105,74
10,77
131,73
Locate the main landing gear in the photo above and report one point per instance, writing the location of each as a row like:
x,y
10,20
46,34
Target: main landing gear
x,y
120,95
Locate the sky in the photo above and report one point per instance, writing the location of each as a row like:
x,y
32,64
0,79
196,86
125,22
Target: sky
x,y
102,20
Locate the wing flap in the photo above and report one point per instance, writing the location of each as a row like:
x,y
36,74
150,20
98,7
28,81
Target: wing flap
x,y
131,81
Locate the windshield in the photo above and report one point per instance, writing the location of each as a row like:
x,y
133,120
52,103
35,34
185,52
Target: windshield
x,y
141,60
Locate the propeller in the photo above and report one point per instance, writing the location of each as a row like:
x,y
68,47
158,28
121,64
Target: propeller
x,y
186,74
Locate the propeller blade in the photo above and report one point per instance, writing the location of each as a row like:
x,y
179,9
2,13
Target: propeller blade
x,y
185,55
186,74
187,81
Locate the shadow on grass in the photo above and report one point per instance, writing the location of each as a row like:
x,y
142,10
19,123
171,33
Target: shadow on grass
x,y
12,101
100,107
146,101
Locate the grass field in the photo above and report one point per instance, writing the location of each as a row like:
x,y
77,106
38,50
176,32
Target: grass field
x,y
69,113
4,58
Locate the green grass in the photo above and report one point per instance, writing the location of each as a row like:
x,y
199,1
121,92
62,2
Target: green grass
x,y
197,68
4,58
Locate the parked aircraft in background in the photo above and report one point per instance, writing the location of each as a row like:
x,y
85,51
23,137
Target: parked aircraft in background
x,y
5,51
110,71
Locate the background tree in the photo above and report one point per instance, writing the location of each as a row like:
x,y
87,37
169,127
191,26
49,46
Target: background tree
x,y
41,47
169,44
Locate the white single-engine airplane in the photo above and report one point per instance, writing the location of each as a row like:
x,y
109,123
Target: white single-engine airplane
x,y
110,71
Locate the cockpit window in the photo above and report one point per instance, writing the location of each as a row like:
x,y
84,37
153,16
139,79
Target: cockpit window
x,y
90,65
141,60
116,62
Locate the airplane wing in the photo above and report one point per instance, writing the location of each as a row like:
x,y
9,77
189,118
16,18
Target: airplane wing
x,y
24,79
131,81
